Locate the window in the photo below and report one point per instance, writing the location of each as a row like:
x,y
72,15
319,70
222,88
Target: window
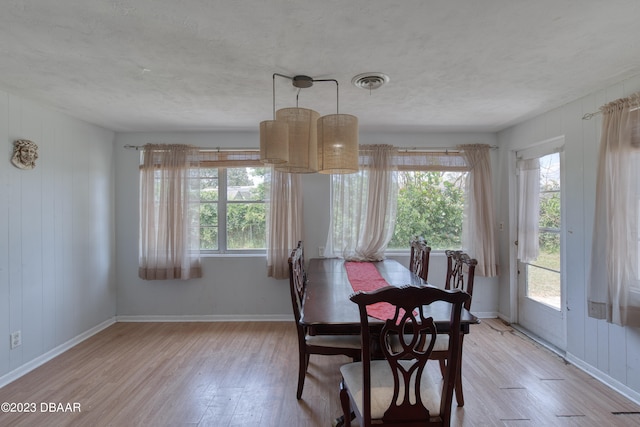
x,y
227,188
428,198
431,199
430,204
232,209
542,275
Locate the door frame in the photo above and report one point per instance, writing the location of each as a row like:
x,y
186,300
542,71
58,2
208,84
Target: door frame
x,y
545,146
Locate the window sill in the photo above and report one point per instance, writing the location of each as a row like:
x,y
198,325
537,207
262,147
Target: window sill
x,y
234,255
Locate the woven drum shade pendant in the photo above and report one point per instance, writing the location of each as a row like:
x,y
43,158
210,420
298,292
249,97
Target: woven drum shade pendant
x,y
302,126
274,142
338,144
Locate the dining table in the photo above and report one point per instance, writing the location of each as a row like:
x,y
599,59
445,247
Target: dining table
x,y
327,308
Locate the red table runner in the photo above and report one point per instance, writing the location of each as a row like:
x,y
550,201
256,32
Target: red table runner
x,y
364,276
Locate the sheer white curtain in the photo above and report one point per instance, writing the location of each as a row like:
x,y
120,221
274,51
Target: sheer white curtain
x,y
478,227
614,286
169,213
528,209
364,206
284,221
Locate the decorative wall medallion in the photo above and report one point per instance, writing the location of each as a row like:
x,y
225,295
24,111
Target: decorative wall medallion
x,y
25,153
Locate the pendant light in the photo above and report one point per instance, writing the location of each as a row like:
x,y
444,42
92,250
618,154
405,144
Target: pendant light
x,y
338,142
327,144
302,126
274,137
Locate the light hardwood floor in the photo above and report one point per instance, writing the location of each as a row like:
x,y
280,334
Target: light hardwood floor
x,y
244,374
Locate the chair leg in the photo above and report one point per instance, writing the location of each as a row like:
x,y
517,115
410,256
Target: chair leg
x,y
302,372
458,386
346,406
443,367
458,390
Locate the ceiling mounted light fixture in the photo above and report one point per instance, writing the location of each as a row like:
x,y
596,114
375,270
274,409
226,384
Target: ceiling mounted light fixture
x,y
298,140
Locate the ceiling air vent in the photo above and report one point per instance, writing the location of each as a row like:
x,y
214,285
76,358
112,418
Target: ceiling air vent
x,y
370,81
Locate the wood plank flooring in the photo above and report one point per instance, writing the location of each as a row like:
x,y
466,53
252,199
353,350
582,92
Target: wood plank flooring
x,y
244,374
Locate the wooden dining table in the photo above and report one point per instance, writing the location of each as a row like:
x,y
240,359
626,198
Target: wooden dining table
x,y
327,308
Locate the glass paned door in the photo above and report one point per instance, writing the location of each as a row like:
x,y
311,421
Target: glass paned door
x,y
540,284
543,274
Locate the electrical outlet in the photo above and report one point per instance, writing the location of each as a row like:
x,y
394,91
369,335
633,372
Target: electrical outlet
x,y
16,339
321,251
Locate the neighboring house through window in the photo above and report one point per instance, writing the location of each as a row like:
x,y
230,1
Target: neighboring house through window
x,y
232,209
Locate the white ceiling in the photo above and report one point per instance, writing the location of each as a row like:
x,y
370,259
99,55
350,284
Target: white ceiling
x,y
456,65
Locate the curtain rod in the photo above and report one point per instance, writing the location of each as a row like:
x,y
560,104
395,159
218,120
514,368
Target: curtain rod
x,y
218,149
589,116
436,149
400,149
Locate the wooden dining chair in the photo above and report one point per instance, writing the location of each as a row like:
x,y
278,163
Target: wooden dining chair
x,y
347,345
460,275
419,258
398,389
460,272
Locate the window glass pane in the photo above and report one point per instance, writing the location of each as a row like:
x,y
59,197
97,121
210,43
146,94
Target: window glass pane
x,y
550,210
430,204
246,217
209,238
231,204
543,286
245,184
543,274
208,183
549,255
246,226
209,225
550,172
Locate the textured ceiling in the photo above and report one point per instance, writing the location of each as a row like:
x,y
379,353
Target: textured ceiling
x,y
159,65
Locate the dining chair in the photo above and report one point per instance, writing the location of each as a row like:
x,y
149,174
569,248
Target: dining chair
x,y
398,389
419,258
460,275
347,345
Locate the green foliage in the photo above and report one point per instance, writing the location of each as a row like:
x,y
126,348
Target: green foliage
x,y
238,177
246,226
430,204
549,217
246,210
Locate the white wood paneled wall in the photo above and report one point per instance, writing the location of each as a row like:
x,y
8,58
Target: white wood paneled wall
x,y
608,351
57,274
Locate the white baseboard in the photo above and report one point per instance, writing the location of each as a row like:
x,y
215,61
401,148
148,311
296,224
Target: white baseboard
x,y
593,372
485,314
33,364
604,378
206,318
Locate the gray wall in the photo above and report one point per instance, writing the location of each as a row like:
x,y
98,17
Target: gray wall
x,y
57,267
233,286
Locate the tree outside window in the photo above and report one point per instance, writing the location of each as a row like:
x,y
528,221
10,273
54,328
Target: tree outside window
x,y
431,205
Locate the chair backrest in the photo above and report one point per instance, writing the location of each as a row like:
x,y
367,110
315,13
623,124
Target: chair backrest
x,y
419,258
416,331
460,272
297,279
